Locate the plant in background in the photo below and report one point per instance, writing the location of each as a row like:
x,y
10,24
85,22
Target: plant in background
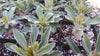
x,y
86,45
25,6
44,19
47,17
81,23
5,5
76,11
48,4
32,47
46,12
44,16
78,6
7,19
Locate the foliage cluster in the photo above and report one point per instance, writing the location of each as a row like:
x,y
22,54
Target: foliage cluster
x,y
43,18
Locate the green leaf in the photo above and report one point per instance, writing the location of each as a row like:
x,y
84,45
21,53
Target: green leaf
x,y
54,24
73,46
20,38
39,4
18,5
6,26
11,12
95,21
32,19
45,37
53,53
34,33
58,6
39,12
46,49
48,3
13,47
17,49
73,8
86,43
5,13
58,19
87,10
29,2
2,31
71,14
36,45
98,43
48,14
79,55
8,46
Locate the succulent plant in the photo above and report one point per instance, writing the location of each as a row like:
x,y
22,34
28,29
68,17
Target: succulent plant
x,y
76,11
78,6
7,19
24,6
32,47
86,45
48,4
43,16
44,19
